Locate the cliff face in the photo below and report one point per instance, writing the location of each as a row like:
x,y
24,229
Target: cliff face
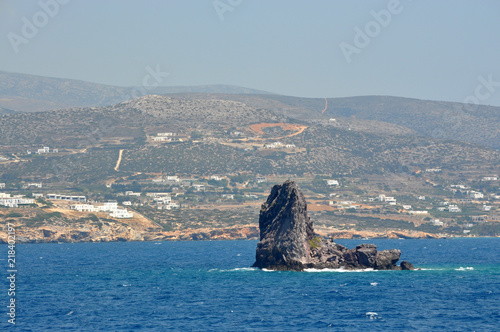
x,y
285,229
288,242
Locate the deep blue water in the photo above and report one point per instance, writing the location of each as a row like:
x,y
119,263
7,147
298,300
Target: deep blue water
x,y
200,286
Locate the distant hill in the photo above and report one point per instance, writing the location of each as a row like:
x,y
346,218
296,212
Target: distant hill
x,y
31,93
6,111
436,119
217,136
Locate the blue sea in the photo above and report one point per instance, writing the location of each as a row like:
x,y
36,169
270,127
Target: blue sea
x,y
208,286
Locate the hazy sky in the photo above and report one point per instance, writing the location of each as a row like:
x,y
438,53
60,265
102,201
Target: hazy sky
x,y
441,50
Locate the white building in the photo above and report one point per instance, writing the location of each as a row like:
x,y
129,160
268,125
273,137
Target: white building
x,y
127,203
131,193
454,208
162,200
109,206
332,182
216,178
476,195
161,139
290,146
35,195
260,179
433,170
418,212
33,185
166,134
407,207
173,178
14,202
67,197
486,208
422,198
84,208
228,196
490,178
199,187
437,222
2,185
121,213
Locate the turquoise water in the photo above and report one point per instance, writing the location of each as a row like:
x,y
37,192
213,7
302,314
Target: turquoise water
x,y
207,286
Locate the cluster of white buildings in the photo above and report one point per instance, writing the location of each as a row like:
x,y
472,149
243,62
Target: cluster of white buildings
x,y
164,201
167,179
279,145
2,185
163,137
15,201
111,208
388,199
43,150
71,198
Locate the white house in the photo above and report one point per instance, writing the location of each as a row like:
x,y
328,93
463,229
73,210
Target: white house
x,y
490,178
127,203
199,187
173,178
437,222
476,195
486,208
109,206
290,146
2,185
161,139
228,196
422,198
14,202
67,197
418,212
406,207
84,208
162,200
33,185
216,178
260,179
131,193
332,182
121,213
454,208
390,199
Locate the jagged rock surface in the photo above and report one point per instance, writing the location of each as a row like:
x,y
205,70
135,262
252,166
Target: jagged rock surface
x,y
288,242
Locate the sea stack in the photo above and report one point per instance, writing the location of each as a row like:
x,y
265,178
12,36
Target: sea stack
x,y
288,242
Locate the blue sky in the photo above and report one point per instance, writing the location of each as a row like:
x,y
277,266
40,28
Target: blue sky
x,y
436,50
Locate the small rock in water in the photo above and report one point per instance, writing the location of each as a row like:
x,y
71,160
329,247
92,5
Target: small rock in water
x,y
372,315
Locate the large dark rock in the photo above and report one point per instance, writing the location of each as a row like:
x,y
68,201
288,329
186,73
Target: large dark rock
x,y
288,242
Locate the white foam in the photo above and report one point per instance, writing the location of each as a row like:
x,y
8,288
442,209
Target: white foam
x,y
374,284
339,270
372,315
468,268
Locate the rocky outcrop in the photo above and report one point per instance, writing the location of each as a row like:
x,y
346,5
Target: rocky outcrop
x,y
288,242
